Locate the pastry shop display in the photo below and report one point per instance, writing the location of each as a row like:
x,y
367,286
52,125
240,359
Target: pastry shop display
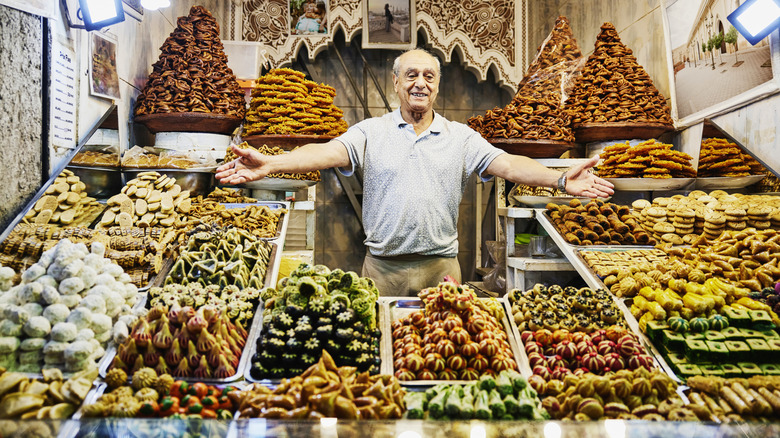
x,y
155,158
149,200
160,396
50,397
284,102
324,390
182,342
597,223
648,159
266,150
64,203
455,337
506,396
720,157
614,88
536,111
191,74
567,308
736,399
317,310
66,309
639,394
554,355
239,304
139,251
221,256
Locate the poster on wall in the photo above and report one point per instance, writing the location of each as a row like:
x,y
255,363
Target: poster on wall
x,y
103,76
389,24
308,17
713,69
63,95
134,9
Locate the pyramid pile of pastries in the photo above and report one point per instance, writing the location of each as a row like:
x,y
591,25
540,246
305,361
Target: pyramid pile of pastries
x,y
536,110
191,74
614,88
285,102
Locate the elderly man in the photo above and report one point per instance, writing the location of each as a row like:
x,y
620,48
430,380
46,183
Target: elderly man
x,y
415,167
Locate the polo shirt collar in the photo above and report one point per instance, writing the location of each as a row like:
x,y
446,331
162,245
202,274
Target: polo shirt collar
x,y
437,125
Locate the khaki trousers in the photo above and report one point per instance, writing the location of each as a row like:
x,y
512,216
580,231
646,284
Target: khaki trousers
x,y
407,275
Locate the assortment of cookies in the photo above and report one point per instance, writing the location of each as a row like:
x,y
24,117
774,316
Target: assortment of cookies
x,y
612,263
536,111
285,102
613,87
682,219
266,150
648,159
149,200
597,223
192,74
720,157
65,203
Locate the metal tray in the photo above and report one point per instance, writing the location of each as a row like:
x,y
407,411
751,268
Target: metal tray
x,y
283,218
242,362
397,307
515,340
649,184
726,182
606,249
278,184
381,319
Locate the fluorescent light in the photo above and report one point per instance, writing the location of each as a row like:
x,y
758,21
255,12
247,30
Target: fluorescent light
x,y
755,19
760,16
101,13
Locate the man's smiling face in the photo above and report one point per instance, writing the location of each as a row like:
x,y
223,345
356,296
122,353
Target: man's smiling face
x,y
417,83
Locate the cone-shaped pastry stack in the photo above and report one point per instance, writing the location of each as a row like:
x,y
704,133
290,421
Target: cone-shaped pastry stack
x,y
535,112
191,74
285,102
614,88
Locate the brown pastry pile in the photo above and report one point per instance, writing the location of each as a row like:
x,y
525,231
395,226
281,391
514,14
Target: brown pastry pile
x,y
720,157
266,150
536,111
648,159
597,223
285,102
65,203
96,158
614,87
191,74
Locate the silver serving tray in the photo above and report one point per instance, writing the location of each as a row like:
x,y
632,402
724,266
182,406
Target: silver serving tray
x,y
278,184
274,382
101,182
649,184
398,307
199,181
522,360
242,362
546,215
726,182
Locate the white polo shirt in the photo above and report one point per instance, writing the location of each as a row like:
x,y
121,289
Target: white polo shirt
x,y
413,184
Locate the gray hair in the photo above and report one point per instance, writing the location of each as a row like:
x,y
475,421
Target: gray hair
x,y
397,61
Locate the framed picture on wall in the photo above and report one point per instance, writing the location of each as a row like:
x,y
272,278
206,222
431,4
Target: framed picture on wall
x,y
103,76
389,24
713,69
308,17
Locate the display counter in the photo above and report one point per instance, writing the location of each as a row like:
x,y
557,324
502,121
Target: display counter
x,y
330,427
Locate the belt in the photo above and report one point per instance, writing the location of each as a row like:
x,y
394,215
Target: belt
x,y
408,257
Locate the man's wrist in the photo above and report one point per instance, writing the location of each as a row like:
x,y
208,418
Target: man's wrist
x,y
561,185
